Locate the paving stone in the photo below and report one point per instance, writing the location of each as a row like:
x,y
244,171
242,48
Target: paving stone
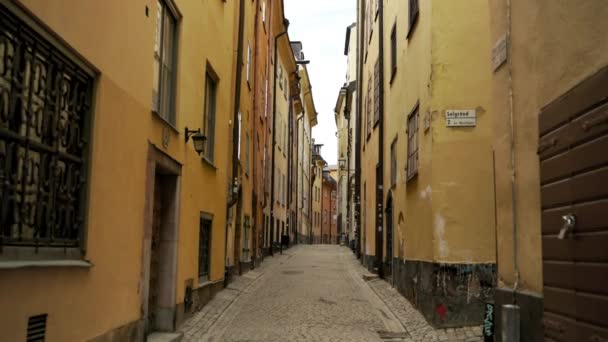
x,y
314,293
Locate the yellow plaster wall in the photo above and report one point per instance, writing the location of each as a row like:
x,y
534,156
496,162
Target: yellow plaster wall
x,y
442,65
369,154
117,38
412,201
462,185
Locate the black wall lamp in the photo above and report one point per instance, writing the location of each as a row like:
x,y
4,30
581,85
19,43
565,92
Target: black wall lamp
x,y
198,139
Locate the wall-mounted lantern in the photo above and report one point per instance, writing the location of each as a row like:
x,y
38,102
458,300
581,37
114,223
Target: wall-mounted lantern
x,y
198,139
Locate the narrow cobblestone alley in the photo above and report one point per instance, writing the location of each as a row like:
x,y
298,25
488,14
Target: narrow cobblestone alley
x,y
313,293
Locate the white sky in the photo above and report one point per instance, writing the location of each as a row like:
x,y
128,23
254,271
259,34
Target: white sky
x,y
321,27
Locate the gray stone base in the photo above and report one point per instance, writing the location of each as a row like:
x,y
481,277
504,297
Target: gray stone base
x,y
448,295
530,311
246,266
200,297
368,261
130,332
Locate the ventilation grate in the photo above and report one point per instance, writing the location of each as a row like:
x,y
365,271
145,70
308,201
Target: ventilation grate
x,y
36,328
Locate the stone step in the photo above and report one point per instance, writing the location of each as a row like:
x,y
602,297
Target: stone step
x,y
369,276
165,337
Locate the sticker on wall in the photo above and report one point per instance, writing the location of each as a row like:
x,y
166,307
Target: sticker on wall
x,y
499,52
460,118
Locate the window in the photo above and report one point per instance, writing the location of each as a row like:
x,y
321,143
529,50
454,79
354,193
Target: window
x,y
204,248
211,82
44,118
414,10
278,194
393,51
412,144
247,228
325,216
238,137
266,98
164,63
377,92
246,153
248,71
368,109
370,20
280,77
394,162
264,12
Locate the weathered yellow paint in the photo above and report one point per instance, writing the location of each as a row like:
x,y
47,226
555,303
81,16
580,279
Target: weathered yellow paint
x,y
446,213
568,45
116,37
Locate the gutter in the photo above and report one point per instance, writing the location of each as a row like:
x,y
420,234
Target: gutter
x,y
360,11
380,189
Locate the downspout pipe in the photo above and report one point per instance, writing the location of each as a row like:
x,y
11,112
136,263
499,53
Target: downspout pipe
x,y
360,11
289,165
301,173
513,161
380,181
235,127
274,130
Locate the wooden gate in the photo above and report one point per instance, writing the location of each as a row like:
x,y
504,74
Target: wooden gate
x,y
573,152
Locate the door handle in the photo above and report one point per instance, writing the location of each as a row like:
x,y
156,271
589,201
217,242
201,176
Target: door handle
x,y
569,224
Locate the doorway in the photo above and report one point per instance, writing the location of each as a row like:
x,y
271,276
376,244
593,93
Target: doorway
x,y
158,289
379,265
388,272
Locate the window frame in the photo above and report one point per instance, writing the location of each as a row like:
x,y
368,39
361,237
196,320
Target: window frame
x,y
377,93
72,251
393,164
413,13
209,121
205,218
168,10
393,52
412,136
248,64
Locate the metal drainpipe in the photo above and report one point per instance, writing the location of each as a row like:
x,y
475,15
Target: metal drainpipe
x,y
235,128
381,136
255,240
510,315
360,11
297,168
274,126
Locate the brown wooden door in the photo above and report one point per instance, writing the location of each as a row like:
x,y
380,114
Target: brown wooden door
x,y
573,152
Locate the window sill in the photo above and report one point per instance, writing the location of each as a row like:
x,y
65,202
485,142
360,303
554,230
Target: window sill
x,y
165,121
44,264
203,282
208,163
412,177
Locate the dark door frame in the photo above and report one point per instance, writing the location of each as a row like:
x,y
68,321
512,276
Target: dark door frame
x,y
160,164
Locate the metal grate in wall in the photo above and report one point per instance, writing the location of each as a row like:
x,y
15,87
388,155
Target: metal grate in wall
x,y
36,328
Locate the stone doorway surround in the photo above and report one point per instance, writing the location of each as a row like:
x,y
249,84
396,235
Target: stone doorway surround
x,y
160,164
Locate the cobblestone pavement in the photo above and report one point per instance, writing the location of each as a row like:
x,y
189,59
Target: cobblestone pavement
x,y
313,293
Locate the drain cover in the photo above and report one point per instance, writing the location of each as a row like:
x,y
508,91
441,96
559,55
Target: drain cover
x,y
393,336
